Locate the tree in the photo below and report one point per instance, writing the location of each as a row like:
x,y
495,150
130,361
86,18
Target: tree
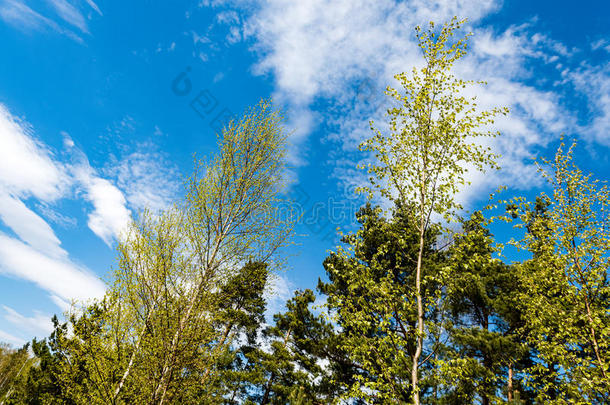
x,y
239,316
431,141
566,304
14,367
58,374
286,366
370,293
485,348
189,281
170,268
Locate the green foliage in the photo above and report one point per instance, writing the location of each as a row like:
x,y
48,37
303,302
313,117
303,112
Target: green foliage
x,y
15,365
481,299
433,132
408,318
189,281
290,369
432,142
173,267
371,290
566,304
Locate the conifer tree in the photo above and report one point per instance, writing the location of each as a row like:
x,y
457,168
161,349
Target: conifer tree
x,y
485,348
370,292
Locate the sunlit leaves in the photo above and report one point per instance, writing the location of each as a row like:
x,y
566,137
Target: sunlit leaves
x,y
568,289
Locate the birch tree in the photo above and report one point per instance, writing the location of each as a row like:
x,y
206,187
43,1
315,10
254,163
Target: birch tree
x,y
171,311
566,303
432,140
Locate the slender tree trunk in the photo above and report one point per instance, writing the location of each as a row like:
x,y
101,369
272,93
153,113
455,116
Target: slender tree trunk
x,y
221,343
268,386
161,389
10,390
420,318
117,391
589,317
510,396
486,362
594,338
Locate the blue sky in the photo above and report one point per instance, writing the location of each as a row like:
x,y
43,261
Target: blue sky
x,y
96,122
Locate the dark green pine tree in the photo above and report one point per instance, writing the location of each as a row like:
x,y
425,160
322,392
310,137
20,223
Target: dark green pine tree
x,y
61,375
370,291
49,380
536,223
291,362
239,314
485,351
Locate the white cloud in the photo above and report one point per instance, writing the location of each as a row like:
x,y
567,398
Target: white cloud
x,y
345,52
18,14
58,276
593,82
30,227
147,178
70,14
22,17
94,6
199,39
12,339
63,304
601,43
28,170
40,324
26,166
277,291
319,49
30,174
65,221
110,215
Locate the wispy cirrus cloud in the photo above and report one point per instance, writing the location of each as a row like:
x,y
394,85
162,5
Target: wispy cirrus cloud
x,y
146,176
60,277
33,178
110,214
30,227
593,81
21,16
342,54
70,14
39,324
10,338
94,6
27,167
28,170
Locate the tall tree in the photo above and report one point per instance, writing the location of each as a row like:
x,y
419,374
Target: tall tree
x,y
239,316
432,139
567,301
370,292
231,217
14,367
292,364
481,294
189,280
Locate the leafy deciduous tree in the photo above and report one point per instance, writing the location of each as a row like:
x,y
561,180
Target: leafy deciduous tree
x,y
432,139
